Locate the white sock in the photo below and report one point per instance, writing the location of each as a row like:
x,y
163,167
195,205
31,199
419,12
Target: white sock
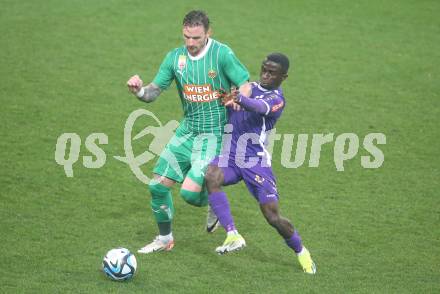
x,y
233,232
166,238
301,252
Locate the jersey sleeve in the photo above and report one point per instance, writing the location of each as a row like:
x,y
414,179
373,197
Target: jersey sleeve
x,y
275,104
235,71
165,75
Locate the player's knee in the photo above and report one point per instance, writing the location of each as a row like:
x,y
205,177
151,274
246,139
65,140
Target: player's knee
x,y
214,176
158,190
210,174
154,189
273,219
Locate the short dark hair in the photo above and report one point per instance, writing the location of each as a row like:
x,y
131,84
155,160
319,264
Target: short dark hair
x,y
281,59
196,18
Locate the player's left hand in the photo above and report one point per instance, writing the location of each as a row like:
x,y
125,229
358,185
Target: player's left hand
x,y
229,99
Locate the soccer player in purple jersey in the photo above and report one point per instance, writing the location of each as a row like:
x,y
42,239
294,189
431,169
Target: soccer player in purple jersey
x,y
244,157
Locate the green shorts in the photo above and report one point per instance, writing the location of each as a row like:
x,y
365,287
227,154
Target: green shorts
x,y
187,151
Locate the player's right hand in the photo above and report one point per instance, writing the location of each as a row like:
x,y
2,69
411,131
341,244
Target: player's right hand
x,y
134,84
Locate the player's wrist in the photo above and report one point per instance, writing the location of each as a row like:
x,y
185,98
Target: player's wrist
x,y
140,93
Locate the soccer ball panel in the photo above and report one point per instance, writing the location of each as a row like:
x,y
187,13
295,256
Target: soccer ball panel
x,y
119,264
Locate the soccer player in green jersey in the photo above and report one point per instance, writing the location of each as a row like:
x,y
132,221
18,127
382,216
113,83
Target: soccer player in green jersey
x,y
201,69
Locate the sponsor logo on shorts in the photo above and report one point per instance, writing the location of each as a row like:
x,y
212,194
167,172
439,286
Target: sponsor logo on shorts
x,y
259,179
200,93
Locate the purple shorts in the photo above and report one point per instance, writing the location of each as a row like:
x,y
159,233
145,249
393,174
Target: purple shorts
x,y
259,180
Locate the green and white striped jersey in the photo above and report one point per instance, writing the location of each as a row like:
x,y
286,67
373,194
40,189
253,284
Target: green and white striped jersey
x,y
198,80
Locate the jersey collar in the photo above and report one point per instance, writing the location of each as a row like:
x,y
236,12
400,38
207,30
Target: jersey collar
x,y
203,53
277,91
262,89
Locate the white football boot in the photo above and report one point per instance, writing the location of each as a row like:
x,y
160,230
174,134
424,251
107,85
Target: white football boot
x,y
232,243
157,245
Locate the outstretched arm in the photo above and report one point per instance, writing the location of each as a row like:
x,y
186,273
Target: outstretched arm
x,y
147,94
254,105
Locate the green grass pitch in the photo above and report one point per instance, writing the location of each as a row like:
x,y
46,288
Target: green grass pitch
x,y
358,67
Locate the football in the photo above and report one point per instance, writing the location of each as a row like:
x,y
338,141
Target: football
x,y
119,264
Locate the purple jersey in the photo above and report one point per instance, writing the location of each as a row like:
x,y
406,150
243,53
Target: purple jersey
x,y
244,155
251,129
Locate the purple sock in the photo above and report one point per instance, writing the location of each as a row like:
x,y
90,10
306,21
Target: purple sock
x,y
220,204
294,242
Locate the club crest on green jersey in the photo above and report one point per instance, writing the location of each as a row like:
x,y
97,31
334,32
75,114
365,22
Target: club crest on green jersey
x,y
212,73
